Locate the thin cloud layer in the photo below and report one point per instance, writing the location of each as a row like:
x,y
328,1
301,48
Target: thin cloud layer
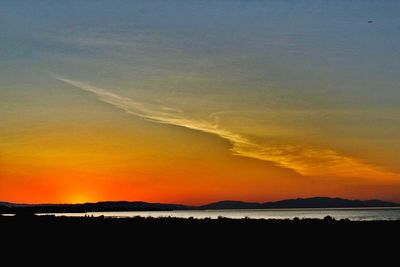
x,y
305,161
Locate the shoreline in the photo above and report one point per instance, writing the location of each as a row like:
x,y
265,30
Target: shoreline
x,y
352,214
35,218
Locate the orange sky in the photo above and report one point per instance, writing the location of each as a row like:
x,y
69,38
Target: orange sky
x,y
169,164
245,100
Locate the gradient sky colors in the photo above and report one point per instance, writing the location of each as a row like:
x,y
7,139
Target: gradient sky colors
x,y
197,101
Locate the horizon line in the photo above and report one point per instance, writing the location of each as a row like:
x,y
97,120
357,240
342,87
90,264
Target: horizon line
x,y
207,203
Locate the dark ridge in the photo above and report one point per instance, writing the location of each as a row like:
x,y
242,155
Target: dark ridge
x,y
231,204
89,207
315,202
325,202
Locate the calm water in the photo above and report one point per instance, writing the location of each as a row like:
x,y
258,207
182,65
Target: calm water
x,y
364,214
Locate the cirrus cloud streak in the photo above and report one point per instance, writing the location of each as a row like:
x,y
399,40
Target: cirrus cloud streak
x,y
303,160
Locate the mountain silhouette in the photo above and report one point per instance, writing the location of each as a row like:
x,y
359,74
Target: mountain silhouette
x,y
315,202
7,207
232,204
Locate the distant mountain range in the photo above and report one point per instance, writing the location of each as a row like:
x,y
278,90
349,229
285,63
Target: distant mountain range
x,y
315,202
89,207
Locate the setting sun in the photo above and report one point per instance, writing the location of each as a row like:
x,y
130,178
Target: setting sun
x,y
79,198
198,101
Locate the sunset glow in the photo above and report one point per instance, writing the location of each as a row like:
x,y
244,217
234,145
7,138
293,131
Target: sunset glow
x,y
197,101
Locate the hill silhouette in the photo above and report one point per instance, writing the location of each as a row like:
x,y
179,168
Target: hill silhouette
x,y
315,202
6,207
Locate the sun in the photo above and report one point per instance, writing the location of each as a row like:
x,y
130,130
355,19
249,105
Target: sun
x,y
79,198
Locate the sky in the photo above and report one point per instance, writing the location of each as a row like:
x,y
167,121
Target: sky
x,y
197,101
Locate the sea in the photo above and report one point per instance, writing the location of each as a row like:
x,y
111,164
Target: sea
x,y
356,214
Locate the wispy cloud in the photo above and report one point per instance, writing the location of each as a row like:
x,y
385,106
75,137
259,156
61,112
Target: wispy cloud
x,y
304,160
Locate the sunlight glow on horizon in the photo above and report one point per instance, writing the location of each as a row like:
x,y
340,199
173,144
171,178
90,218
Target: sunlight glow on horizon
x,y
246,100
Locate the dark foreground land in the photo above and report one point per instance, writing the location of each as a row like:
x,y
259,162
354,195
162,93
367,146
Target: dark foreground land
x,y
170,239
140,227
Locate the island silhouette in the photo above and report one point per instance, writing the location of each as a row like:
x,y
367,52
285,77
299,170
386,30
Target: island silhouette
x,y
314,202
